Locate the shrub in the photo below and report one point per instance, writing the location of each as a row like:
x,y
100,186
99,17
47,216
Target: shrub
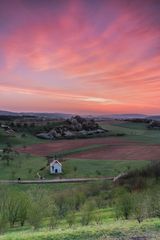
x,y
3,223
70,218
34,215
140,206
87,213
123,206
54,217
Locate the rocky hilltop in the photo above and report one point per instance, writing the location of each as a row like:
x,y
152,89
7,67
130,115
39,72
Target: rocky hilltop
x,y
154,125
75,127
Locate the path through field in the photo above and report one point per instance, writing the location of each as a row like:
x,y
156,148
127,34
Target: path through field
x,y
54,181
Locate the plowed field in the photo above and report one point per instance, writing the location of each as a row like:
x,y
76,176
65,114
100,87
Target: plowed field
x,y
111,149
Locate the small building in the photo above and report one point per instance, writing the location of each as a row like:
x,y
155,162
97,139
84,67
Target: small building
x,y
55,167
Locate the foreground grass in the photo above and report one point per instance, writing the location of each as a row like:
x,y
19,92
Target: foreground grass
x,y
121,230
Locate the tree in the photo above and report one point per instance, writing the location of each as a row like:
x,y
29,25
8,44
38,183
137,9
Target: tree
x,y
3,213
140,211
123,207
12,207
7,154
3,222
70,218
53,216
39,206
16,205
23,209
35,215
154,210
87,213
97,218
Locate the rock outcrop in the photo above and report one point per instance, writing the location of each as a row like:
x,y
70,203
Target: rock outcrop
x,y
75,127
154,125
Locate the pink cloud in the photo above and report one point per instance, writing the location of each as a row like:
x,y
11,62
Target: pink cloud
x,y
118,61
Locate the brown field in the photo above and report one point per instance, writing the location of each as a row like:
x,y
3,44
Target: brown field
x,y
112,149
122,152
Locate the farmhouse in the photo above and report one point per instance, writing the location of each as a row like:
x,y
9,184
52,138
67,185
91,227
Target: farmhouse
x,y
55,167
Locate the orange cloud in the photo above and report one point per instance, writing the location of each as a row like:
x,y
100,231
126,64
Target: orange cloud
x,y
106,57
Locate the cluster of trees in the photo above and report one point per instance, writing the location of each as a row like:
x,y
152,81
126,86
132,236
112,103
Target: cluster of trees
x,y
137,180
138,205
33,127
38,207
138,194
8,154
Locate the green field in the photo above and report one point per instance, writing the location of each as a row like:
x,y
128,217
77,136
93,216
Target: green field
x,y
26,166
91,168
133,131
19,139
104,194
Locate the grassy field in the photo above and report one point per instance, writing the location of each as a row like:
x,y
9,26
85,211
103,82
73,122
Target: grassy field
x,y
18,139
26,166
91,168
109,230
133,131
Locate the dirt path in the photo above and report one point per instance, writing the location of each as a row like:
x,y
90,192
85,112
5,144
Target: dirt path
x,y
53,181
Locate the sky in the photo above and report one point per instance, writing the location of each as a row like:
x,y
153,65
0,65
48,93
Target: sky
x,y
85,57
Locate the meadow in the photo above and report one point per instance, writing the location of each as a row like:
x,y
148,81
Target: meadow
x,y
104,202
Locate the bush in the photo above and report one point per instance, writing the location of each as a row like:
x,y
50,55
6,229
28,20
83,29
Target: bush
x,y
34,215
140,206
53,216
87,213
123,206
3,223
70,218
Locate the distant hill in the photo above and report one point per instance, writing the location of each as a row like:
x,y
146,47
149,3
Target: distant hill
x,y
128,116
121,116
67,115
7,113
154,117
32,114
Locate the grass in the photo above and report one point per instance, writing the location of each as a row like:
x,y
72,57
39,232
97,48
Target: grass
x,y
113,230
18,139
78,150
24,166
133,131
95,168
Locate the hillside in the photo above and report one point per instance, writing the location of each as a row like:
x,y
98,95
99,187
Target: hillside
x,y
102,210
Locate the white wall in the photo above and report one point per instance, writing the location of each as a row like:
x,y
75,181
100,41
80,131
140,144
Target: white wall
x,y
57,168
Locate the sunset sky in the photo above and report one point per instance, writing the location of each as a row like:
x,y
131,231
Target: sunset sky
x,y
91,56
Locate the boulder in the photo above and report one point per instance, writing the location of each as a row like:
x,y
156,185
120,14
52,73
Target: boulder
x,y
45,136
